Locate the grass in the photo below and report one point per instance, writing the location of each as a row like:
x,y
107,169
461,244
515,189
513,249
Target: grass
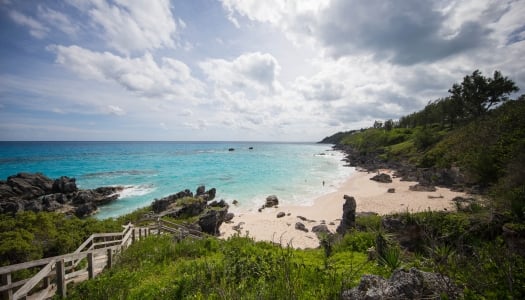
x,y
238,268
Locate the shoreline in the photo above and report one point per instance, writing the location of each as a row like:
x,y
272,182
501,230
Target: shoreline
x,y
370,196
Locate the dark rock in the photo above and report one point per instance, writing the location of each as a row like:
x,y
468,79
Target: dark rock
x,y
238,227
281,214
200,191
231,149
188,209
229,216
160,205
271,200
211,221
211,194
302,218
422,188
414,284
36,192
384,178
320,229
391,190
30,186
348,219
64,185
300,226
235,202
85,210
34,206
221,203
11,207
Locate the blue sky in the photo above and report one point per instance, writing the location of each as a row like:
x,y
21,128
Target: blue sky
x,y
275,70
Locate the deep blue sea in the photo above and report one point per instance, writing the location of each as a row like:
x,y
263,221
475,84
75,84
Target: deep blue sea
x,y
294,172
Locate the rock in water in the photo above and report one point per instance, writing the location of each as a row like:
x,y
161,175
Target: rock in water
x,y
348,219
412,284
271,201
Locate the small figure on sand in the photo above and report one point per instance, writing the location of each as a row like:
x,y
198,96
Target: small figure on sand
x,y
323,182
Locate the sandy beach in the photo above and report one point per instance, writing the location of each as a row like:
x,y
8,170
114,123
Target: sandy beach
x,y
371,196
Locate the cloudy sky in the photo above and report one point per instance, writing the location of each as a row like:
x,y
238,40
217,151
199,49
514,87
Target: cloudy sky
x,y
272,70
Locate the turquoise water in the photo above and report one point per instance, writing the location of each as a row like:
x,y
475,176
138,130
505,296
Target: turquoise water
x,y
149,170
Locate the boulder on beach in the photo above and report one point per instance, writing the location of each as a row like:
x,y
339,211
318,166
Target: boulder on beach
x,y
348,219
300,226
422,188
281,214
383,178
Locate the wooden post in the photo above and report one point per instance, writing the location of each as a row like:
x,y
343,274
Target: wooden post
x,y
61,278
91,266
110,258
133,235
140,233
6,280
158,226
46,282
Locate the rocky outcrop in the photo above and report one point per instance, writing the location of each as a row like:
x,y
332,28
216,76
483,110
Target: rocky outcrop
x,y
383,178
209,216
412,284
452,177
348,219
37,192
211,220
160,205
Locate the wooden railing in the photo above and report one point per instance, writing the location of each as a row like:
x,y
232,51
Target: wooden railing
x,y
91,257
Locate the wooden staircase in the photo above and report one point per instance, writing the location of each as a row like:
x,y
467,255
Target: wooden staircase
x,y
97,253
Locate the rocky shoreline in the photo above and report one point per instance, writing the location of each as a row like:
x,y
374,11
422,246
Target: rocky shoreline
x,y
37,192
451,178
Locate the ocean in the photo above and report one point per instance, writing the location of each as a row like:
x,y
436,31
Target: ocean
x,y
295,172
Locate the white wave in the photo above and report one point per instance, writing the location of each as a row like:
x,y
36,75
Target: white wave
x,y
136,190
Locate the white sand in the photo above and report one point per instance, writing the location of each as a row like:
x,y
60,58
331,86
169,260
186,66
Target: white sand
x,y
370,196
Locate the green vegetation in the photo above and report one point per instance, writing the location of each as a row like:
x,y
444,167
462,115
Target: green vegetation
x,y
238,268
477,129
28,235
480,247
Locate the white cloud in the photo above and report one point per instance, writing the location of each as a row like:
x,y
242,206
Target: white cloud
x,y
251,70
36,28
130,26
58,20
171,79
115,110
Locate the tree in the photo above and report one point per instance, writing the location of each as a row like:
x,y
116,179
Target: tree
x,y
478,94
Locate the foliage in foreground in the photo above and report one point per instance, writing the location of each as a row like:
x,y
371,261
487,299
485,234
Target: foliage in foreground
x,y
238,268
29,235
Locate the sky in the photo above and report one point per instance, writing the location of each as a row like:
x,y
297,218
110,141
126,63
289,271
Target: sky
x,y
240,70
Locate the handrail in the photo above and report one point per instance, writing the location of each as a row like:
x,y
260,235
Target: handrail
x,y
26,288
88,249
